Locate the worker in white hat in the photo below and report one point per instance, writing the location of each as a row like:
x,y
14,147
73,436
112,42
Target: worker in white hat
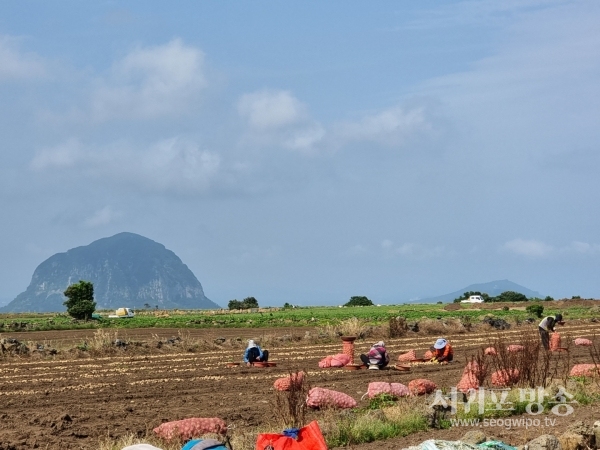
x,y
442,351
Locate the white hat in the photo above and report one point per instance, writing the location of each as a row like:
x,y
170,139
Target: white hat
x,y
440,343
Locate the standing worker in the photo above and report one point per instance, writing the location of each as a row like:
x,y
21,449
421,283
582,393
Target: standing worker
x,y
546,326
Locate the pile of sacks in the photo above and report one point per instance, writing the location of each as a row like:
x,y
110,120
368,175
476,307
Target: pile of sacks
x,y
584,370
187,429
503,378
408,356
286,383
555,341
339,360
470,377
584,342
514,348
381,387
327,398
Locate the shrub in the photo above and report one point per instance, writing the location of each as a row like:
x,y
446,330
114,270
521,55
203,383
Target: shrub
x,y
535,309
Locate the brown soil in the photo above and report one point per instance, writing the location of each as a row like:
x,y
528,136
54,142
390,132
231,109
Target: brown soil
x,y
74,402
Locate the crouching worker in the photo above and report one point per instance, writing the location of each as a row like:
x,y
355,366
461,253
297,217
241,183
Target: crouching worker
x,y
377,357
442,351
546,326
254,353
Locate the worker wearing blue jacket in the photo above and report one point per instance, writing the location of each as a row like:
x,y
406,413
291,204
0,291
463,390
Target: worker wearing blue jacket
x,y
254,353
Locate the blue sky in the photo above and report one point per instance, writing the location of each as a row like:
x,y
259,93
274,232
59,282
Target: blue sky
x,y
307,152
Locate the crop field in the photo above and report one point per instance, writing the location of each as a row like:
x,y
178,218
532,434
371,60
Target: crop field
x,y
293,317
82,400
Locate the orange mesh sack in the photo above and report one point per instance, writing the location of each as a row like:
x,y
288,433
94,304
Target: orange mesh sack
x,y
340,360
408,356
326,398
468,382
514,348
285,383
584,342
428,354
502,378
421,386
491,351
584,370
381,387
555,342
187,429
309,438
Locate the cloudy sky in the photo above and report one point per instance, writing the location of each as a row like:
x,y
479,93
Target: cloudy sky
x,y
307,152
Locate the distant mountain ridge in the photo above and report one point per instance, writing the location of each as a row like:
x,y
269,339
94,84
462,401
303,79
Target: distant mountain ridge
x,y
492,288
126,269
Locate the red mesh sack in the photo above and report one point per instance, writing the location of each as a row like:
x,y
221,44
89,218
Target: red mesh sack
x,y
491,351
468,382
503,378
408,356
325,362
421,386
285,383
323,398
555,342
187,429
584,342
309,438
513,348
473,368
381,387
340,360
584,370
428,354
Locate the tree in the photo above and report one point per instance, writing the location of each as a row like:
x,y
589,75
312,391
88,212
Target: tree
x,y
537,310
548,298
250,302
359,301
247,303
510,296
80,300
234,304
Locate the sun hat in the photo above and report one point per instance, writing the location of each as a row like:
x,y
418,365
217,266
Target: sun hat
x,y
440,344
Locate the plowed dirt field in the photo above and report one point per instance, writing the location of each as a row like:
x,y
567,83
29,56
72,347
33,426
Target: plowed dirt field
x,y
74,403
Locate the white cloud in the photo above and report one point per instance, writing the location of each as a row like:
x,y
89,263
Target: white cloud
x,y
356,250
61,156
391,127
277,118
582,248
530,248
18,65
417,251
269,109
101,217
170,165
150,82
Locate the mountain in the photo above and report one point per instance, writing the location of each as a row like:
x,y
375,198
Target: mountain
x,y
126,269
493,288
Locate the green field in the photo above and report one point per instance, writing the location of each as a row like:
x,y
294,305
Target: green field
x,y
277,317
